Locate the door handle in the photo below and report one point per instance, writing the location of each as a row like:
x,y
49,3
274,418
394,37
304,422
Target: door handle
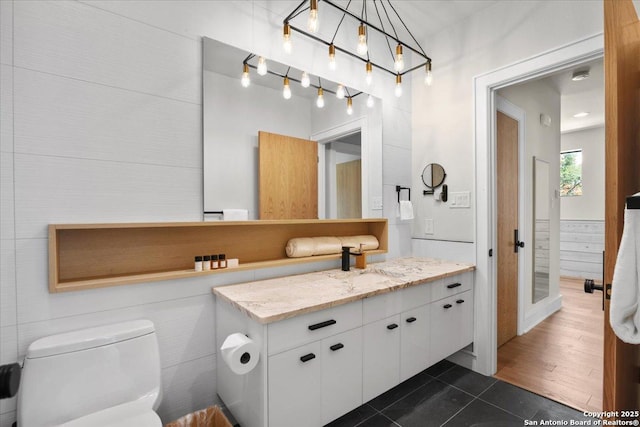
x,y
518,244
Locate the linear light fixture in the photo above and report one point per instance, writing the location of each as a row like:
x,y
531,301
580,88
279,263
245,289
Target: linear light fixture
x,y
385,23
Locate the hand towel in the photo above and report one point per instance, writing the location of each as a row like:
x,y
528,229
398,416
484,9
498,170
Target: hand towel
x,y
624,315
406,210
235,215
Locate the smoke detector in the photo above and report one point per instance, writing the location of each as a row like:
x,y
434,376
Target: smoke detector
x,y
580,75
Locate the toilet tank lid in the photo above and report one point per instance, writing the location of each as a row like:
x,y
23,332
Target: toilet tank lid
x,y
88,338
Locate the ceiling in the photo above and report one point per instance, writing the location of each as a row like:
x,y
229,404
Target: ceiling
x,y
426,17
580,96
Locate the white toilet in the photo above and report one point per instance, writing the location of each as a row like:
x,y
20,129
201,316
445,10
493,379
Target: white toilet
x,y
104,376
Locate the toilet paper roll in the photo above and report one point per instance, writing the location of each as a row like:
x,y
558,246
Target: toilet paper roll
x,y
240,353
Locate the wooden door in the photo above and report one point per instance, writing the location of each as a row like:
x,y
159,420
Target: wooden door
x,y
622,178
288,177
349,189
507,191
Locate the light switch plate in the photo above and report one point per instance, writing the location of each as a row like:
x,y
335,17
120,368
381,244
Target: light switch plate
x,y
460,199
428,226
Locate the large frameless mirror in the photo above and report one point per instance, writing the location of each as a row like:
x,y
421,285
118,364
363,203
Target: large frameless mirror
x,y
349,134
541,234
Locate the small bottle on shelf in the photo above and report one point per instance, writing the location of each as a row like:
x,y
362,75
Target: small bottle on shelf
x,y
214,262
222,261
198,263
206,263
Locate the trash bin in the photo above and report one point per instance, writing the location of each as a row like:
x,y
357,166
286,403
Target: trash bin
x,y
208,417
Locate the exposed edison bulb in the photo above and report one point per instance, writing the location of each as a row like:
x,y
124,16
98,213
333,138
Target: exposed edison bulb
x,y
428,78
312,21
398,64
245,80
262,66
362,40
286,90
340,92
320,99
349,106
286,38
369,75
398,89
371,102
332,57
304,80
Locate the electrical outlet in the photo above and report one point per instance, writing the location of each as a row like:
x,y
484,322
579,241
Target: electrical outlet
x,y
428,226
376,203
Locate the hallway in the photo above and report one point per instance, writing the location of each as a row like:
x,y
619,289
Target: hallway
x,y
561,358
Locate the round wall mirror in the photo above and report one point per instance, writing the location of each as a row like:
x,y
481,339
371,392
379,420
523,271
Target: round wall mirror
x,y
433,175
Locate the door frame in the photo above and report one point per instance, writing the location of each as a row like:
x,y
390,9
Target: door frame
x,y
519,115
485,86
328,135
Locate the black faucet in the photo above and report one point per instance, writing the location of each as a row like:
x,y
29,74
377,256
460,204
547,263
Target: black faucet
x,y
346,257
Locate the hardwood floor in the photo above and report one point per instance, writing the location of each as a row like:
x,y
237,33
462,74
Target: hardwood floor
x,y
561,358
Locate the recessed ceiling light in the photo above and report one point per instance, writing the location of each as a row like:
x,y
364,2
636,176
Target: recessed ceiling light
x,y
581,114
580,75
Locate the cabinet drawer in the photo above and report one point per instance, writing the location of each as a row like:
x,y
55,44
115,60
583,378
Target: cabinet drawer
x,y
310,327
451,285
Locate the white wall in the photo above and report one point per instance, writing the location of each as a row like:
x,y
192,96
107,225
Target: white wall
x,y
443,114
542,142
591,204
101,122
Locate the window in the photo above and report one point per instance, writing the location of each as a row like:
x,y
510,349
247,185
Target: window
x,y
571,173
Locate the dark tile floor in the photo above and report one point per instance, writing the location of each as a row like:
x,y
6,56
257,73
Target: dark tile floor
x,y
449,395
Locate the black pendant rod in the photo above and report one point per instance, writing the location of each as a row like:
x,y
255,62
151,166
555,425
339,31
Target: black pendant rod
x,y
286,21
295,12
318,39
273,73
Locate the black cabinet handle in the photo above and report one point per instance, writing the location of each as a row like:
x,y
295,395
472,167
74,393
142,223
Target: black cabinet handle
x,y
460,301
447,306
392,326
336,347
454,285
307,357
411,320
322,324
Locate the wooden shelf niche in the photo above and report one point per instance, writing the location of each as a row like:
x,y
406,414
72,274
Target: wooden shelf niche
x,y
85,256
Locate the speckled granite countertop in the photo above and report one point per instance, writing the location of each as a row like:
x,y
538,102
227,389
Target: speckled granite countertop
x,y
268,301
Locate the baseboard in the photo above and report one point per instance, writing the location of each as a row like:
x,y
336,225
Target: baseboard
x,y
540,313
464,357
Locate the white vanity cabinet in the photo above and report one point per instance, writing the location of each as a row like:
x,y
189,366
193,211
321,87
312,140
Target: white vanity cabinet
x,y
317,366
341,357
451,324
381,356
317,382
414,341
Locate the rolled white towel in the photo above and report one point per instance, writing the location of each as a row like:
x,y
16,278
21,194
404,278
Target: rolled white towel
x,y
300,247
368,242
326,245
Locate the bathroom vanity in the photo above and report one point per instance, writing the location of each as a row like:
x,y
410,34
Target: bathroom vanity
x,y
331,340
